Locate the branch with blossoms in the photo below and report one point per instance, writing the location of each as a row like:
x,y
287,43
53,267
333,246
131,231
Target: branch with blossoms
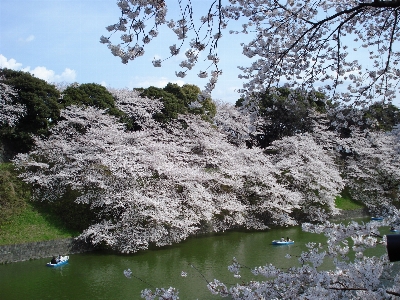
x,y
299,43
135,16
373,175
361,289
159,293
301,48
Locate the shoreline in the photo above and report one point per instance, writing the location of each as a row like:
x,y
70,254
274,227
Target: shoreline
x,y
348,214
45,249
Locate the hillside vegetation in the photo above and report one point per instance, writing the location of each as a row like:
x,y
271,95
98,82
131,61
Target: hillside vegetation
x,y
21,220
126,169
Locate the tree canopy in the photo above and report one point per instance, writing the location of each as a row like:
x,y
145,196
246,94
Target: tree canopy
x,y
130,189
40,101
167,181
179,100
284,112
304,44
89,94
170,179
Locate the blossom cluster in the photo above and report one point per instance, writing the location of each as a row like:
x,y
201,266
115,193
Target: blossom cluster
x,y
10,112
305,44
166,182
162,183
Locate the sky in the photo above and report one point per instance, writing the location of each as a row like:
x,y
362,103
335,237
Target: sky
x,y
58,41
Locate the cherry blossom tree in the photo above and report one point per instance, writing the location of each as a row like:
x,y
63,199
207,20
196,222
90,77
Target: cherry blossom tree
x,y
234,123
311,170
372,169
308,44
10,112
367,157
158,185
396,135
306,162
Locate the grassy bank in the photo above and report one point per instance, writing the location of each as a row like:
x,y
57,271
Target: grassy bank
x,y
31,225
345,202
22,221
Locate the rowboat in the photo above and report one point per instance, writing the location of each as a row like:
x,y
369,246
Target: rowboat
x,y
277,242
63,260
377,218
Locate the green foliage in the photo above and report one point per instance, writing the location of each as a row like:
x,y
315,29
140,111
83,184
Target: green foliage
x,y
41,101
172,105
345,202
176,90
23,221
239,102
177,100
191,93
285,113
14,193
207,111
90,94
383,117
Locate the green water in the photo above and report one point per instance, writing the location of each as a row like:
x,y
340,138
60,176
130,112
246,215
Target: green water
x,y
99,275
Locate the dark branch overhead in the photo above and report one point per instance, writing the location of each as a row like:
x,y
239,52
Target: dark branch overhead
x,y
382,3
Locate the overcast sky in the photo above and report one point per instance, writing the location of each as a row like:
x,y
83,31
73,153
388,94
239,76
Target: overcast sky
x,y
58,40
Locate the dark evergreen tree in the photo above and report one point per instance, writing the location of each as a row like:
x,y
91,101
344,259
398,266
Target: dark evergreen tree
x,y
178,100
383,116
41,101
90,94
284,112
172,104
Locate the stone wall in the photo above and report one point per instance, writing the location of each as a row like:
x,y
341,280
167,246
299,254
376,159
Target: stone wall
x,y
36,250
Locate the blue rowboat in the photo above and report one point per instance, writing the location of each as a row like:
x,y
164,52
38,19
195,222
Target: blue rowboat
x,y
377,218
63,261
393,230
277,242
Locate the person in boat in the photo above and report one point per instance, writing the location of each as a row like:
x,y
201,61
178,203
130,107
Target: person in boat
x,y
392,228
282,239
288,240
54,260
59,257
